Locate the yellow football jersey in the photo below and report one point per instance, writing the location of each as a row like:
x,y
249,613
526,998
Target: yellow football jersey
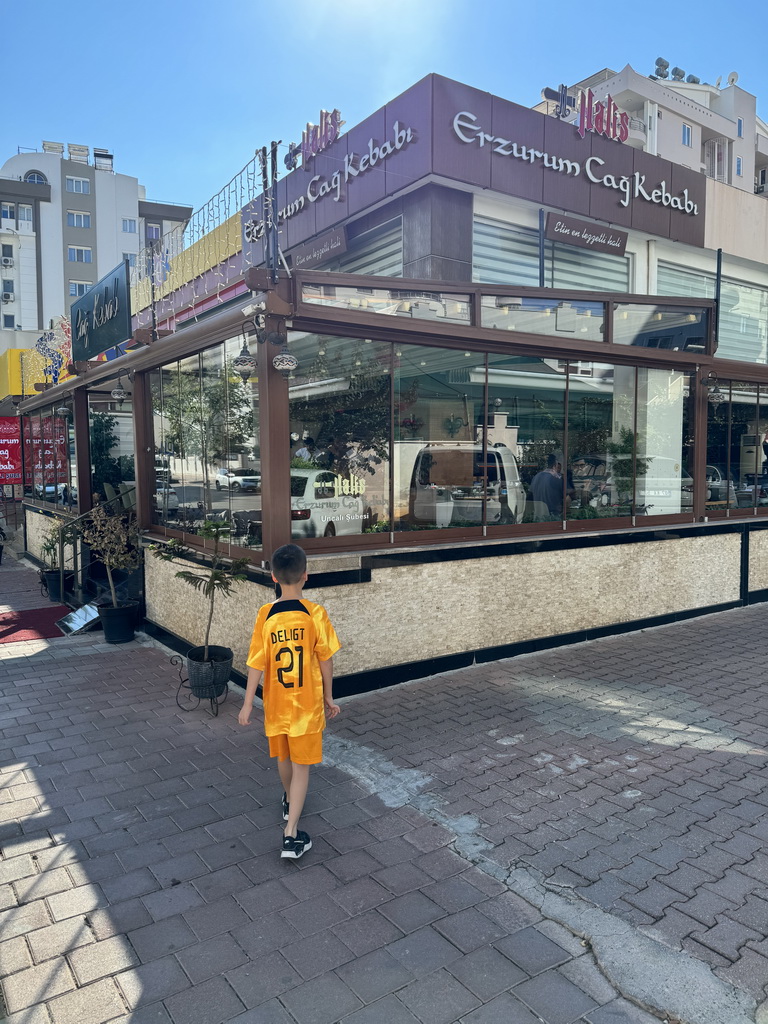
x,y
289,641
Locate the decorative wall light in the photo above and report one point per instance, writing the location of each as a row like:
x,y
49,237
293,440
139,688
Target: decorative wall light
x,y
714,395
63,411
118,392
285,361
245,363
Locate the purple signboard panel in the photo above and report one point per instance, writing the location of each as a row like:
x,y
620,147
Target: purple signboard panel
x,y
366,179
411,112
516,128
690,185
649,172
565,184
461,117
611,162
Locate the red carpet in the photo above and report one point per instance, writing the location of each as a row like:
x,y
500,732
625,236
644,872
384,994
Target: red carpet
x,y
35,624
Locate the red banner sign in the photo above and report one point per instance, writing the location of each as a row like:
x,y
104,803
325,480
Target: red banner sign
x,y
10,450
45,452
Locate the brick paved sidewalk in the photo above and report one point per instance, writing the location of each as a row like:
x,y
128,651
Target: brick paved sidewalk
x,y
140,878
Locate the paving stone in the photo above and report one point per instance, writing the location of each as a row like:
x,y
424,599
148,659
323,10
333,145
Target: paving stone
x,y
323,1000
262,979
14,956
439,998
37,984
93,1004
152,982
619,1012
352,865
411,911
367,932
119,918
504,1009
20,920
214,918
161,938
423,951
554,998
374,975
101,959
316,954
211,1002
486,972
531,951
315,915
727,937
388,1010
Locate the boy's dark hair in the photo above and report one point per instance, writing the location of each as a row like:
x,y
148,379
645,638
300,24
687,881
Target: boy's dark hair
x,y
289,563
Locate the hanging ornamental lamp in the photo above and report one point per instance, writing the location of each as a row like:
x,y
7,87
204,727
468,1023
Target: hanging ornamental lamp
x,y
245,364
285,361
118,392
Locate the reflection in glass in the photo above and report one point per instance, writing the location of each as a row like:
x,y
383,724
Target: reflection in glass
x,y
340,436
722,470
525,419
579,321
664,481
113,466
207,457
418,305
747,435
601,441
649,326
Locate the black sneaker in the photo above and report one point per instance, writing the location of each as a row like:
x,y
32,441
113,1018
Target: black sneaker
x,y
285,807
296,846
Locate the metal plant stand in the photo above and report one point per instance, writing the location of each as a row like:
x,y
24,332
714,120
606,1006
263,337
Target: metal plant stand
x,y
189,699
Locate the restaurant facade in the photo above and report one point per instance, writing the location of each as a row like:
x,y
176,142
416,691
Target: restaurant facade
x,y
508,387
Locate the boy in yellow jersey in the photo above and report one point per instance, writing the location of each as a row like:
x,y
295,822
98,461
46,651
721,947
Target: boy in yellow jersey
x,y
291,648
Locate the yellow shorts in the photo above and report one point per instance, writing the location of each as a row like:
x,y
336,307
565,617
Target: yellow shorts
x,y
307,749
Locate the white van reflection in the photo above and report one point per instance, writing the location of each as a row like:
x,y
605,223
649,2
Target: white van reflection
x,y
448,485
326,504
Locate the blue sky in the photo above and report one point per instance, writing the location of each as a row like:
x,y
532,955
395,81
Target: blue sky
x,y
183,91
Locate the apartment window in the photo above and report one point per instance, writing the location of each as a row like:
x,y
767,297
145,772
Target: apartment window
x,y
740,127
35,178
7,285
79,185
153,231
78,288
129,225
6,250
687,135
131,257
9,322
8,211
79,254
739,165
25,213
75,219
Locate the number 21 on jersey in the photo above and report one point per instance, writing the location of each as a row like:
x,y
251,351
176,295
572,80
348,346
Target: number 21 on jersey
x,y
290,666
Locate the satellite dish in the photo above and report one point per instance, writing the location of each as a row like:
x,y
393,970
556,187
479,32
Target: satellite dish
x,y
733,78
719,80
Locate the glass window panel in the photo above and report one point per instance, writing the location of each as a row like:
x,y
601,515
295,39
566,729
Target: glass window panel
x,y
664,483
742,325
574,320
439,463
113,464
601,440
722,470
418,305
525,419
340,436
238,470
748,456
650,326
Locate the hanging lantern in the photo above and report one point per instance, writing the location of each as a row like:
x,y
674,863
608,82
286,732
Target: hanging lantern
x,y
118,392
245,364
285,361
63,411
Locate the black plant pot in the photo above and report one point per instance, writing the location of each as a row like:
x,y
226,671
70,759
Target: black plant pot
x,y
53,584
119,623
208,679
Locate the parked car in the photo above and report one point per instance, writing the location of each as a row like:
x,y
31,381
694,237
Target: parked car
x,y
751,494
238,480
166,498
452,481
720,488
666,487
325,503
62,494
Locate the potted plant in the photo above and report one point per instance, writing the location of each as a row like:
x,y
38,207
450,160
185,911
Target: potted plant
x,y
114,539
56,533
209,665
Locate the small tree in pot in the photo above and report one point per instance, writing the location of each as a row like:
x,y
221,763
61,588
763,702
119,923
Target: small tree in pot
x,y
56,532
114,539
209,666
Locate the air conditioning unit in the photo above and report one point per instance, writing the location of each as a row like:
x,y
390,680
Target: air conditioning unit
x,y
7,296
6,261
759,189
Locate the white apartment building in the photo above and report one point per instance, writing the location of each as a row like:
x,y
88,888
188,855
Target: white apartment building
x,y
709,128
66,220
